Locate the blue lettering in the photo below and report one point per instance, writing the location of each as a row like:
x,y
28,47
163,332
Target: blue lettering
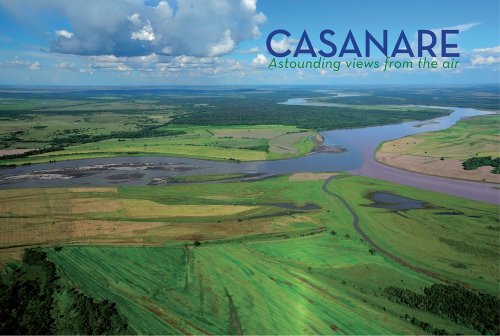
x,y
270,38
328,43
428,48
382,47
309,50
407,50
344,50
445,46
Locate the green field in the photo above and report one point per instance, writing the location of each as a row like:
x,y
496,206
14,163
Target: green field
x,y
246,144
39,127
276,256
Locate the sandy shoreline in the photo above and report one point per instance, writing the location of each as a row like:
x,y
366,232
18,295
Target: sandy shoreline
x,y
451,168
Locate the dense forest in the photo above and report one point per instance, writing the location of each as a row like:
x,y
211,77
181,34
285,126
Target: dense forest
x,y
35,301
472,309
257,112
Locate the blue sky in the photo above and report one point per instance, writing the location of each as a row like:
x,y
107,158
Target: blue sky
x,y
136,42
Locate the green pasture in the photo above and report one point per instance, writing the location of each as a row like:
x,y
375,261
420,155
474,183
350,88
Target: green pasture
x,y
296,273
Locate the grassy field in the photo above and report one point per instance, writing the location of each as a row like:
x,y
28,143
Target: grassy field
x,y
230,124
36,123
256,143
222,143
90,127
277,255
442,152
447,232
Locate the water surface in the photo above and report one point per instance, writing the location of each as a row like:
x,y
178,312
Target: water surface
x,y
360,145
387,200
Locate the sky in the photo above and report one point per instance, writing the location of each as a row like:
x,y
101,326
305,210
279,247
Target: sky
x,y
223,42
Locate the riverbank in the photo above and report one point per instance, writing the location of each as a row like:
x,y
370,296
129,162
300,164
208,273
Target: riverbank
x,y
442,153
449,168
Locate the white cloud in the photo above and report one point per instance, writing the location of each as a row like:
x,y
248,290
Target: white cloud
x,y
485,57
144,30
161,66
460,27
487,50
165,66
136,28
108,62
135,19
481,60
144,34
189,66
19,63
64,34
86,71
65,65
224,46
284,44
260,61
252,50
250,5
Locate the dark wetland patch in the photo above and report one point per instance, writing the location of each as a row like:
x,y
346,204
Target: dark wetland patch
x,y
464,247
387,200
450,213
458,265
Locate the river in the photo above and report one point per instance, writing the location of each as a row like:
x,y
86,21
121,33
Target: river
x,y
360,145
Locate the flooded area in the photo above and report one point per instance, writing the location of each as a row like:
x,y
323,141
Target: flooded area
x,y
386,200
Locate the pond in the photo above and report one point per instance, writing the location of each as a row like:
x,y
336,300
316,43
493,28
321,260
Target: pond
x,y
387,200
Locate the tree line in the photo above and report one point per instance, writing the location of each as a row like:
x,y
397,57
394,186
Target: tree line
x,y
33,301
472,309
